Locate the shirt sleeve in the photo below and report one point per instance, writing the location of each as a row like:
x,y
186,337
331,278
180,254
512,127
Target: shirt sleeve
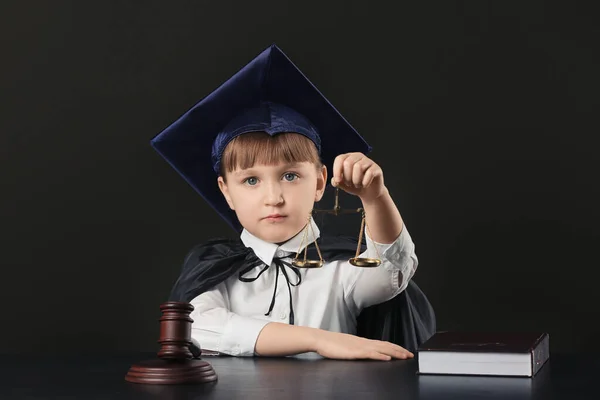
x,y
218,329
364,287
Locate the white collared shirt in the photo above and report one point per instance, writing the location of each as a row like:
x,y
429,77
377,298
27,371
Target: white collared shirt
x,y
229,318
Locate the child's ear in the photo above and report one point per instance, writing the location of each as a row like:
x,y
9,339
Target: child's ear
x,y
321,183
225,190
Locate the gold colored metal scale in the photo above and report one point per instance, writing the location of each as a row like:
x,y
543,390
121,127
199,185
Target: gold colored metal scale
x,y
357,261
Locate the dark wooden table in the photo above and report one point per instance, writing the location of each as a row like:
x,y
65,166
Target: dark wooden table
x,y
102,377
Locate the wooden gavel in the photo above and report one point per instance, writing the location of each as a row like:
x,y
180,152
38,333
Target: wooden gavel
x,y
175,364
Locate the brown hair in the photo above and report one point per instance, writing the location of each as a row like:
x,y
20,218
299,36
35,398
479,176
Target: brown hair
x,y
251,148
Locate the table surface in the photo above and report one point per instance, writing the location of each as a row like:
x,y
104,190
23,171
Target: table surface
x,y
102,377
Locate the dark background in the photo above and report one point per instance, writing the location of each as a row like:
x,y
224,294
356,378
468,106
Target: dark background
x,y
483,116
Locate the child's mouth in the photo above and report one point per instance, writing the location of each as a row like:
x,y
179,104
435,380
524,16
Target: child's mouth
x,y
275,217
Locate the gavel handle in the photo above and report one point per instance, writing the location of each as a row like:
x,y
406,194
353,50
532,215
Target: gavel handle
x,y
195,350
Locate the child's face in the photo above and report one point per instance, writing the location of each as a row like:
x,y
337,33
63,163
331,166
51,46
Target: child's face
x,y
273,202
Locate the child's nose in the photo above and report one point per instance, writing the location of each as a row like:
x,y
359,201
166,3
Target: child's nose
x,y
274,195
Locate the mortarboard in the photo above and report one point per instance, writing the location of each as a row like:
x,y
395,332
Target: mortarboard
x,y
269,94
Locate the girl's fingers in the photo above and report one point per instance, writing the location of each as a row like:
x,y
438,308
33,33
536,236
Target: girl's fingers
x,y
348,167
369,175
375,355
358,172
338,168
395,351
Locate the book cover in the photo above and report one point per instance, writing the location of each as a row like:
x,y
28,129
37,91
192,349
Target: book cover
x,y
484,353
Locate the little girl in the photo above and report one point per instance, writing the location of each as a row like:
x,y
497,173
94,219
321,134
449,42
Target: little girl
x,y
271,138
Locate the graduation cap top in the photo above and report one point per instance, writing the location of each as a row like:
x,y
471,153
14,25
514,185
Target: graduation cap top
x,y
270,94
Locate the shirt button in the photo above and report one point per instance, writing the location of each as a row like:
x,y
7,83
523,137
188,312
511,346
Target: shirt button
x,y
283,315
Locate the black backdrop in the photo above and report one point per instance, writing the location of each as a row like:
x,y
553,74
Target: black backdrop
x,y
483,116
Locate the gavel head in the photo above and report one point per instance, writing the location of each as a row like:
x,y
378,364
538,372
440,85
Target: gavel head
x,y
175,330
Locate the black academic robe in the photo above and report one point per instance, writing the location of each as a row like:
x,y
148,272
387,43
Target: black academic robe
x,y
407,320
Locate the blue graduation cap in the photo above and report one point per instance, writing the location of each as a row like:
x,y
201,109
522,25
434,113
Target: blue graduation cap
x,y
270,94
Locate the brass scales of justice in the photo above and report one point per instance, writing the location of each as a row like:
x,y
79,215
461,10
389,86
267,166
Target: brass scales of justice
x,y
357,261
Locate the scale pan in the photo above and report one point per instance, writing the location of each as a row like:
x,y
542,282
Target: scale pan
x,y
307,263
365,262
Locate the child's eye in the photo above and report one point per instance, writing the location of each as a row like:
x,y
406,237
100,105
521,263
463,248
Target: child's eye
x,y
290,176
251,181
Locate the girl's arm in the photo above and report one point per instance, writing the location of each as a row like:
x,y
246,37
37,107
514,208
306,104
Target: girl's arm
x,y
277,339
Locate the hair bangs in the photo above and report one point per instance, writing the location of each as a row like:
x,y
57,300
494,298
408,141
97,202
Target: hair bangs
x,y
253,148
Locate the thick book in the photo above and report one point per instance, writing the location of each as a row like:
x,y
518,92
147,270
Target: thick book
x,y
484,353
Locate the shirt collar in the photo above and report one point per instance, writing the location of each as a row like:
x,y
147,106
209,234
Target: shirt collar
x,y
266,250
